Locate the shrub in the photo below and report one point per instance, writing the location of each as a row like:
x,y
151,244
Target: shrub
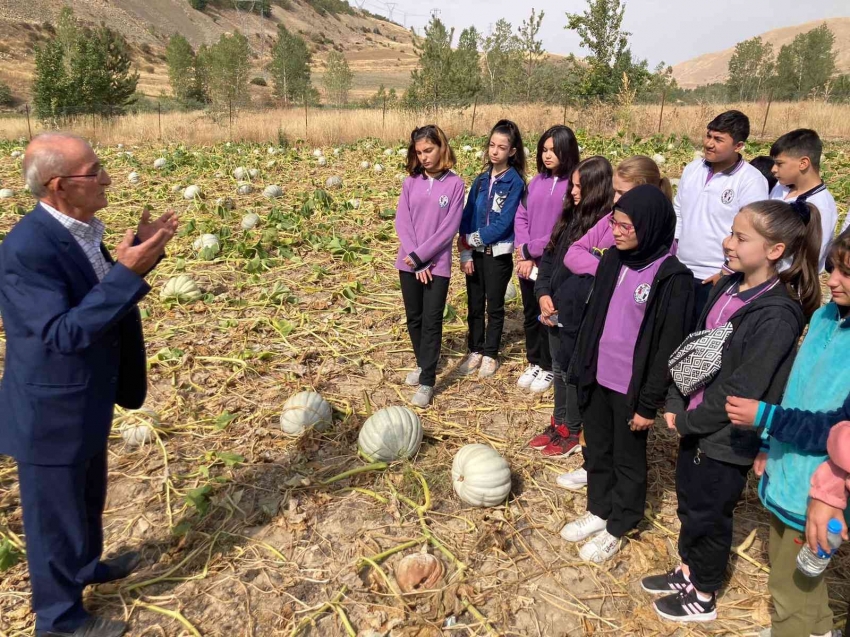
x,y
6,98
198,5
259,81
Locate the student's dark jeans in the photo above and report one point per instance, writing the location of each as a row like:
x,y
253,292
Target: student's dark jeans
x,y
423,306
485,292
615,459
701,292
536,334
566,396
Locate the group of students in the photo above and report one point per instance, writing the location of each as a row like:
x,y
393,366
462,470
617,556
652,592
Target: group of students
x,y
636,302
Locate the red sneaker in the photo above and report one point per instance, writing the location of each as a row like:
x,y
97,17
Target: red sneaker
x,y
563,444
541,441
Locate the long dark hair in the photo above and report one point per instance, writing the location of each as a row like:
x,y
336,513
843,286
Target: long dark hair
x,y
436,136
798,226
597,196
565,145
510,130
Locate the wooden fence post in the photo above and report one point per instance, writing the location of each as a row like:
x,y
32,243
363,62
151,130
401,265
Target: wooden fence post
x,y
661,114
767,112
29,126
474,108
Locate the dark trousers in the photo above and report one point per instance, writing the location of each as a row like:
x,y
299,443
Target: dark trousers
x,y
536,334
708,492
615,459
566,396
485,291
701,292
423,306
63,510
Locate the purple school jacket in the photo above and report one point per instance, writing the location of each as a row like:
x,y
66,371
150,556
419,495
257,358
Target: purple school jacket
x,y
534,222
427,220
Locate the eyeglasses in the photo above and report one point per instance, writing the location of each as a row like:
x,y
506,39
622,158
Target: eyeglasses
x,y
625,228
86,176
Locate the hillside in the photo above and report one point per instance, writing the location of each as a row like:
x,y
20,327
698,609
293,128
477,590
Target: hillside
x,y
378,51
713,67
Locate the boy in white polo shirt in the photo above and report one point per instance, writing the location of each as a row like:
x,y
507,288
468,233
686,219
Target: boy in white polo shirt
x,y
711,192
796,166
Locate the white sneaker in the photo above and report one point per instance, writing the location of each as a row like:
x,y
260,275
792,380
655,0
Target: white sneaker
x,y
488,367
601,547
543,382
583,528
528,376
574,480
412,378
422,396
470,364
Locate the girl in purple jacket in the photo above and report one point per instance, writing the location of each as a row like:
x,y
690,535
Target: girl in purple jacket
x,y
426,221
557,158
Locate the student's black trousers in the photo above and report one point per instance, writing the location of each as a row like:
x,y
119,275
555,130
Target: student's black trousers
x,y
423,307
708,491
485,293
615,459
536,334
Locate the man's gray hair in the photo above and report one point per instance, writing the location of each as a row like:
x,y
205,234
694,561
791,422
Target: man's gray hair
x,y
43,161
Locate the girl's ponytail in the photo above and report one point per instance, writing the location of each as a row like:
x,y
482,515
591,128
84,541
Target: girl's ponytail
x,y
666,187
798,226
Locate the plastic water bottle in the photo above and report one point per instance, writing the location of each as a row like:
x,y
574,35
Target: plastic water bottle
x,y
813,564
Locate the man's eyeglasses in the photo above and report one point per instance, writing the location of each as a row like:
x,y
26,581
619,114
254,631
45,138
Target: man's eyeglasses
x,y
99,172
625,228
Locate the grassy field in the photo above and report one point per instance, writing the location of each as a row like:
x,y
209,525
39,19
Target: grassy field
x,y
243,531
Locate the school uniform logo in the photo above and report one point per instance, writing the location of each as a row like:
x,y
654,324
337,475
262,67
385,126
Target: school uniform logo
x,y
642,293
727,197
444,201
499,201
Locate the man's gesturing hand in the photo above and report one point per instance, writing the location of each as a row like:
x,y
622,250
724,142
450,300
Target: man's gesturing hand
x,y
148,228
141,258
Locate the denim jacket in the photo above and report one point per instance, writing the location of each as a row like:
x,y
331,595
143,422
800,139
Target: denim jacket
x,y
488,217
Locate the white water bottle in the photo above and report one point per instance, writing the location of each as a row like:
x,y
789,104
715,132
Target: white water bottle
x,y
813,564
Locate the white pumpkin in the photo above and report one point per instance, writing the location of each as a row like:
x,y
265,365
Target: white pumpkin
x,y
378,168
467,149
659,159
120,146
206,241
272,150
159,163
317,152
253,173
250,220
364,165
224,202
6,193
16,154
273,191
245,189
304,410
192,192
181,288
323,161
388,152
393,433
133,177
137,435
239,173
402,152
354,203
337,151
480,476
527,151
510,292
271,164
333,182
479,154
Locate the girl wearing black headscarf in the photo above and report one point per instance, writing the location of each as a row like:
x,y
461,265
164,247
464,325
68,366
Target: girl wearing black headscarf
x,y
639,312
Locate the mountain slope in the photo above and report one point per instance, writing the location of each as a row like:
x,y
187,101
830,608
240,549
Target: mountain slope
x,y
713,67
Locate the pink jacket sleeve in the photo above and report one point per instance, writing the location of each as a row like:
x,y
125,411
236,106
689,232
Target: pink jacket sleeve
x,y
521,231
583,256
404,223
831,481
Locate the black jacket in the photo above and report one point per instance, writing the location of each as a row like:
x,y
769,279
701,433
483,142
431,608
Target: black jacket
x,y
665,325
757,360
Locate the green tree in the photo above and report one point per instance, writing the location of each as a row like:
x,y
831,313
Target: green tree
x,y
67,32
750,69
180,58
6,97
502,62
805,67
290,67
50,84
338,78
120,81
531,52
430,84
465,80
226,70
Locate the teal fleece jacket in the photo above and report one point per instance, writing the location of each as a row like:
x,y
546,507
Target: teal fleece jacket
x,y
819,382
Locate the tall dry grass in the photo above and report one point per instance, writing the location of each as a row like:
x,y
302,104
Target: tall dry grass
x,y
329,126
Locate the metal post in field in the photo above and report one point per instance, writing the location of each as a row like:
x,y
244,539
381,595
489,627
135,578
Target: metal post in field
x,y
661,114
767,112
29,126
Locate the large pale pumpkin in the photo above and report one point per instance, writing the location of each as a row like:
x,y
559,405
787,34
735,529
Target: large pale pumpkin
x,y
390,434
137,426
304,410
181,288
480,476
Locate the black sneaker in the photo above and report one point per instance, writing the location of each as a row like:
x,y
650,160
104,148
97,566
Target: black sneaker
x,y
670,582
685,606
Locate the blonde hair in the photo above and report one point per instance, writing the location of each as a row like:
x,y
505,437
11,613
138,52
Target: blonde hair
x,y
640,169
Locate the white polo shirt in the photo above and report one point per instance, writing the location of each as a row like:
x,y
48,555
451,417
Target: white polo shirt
x,y
706,204
823,201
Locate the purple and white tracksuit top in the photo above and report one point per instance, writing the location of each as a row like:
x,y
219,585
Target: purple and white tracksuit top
x,y
534,221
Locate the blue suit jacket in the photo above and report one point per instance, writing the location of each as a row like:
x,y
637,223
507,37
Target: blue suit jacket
x,y
74,346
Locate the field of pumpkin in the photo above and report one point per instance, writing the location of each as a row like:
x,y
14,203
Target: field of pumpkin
x,y
275,481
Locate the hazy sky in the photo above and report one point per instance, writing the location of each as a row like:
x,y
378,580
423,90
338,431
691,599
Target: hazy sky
x,y
668,30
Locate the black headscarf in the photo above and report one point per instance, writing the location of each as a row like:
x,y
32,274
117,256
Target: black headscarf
x,y
655,224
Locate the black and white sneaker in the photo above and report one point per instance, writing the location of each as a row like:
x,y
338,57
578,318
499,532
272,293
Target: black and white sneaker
x,y
670,582
686,606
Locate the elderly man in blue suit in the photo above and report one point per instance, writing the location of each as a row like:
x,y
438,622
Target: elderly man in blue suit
x,y
74,348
